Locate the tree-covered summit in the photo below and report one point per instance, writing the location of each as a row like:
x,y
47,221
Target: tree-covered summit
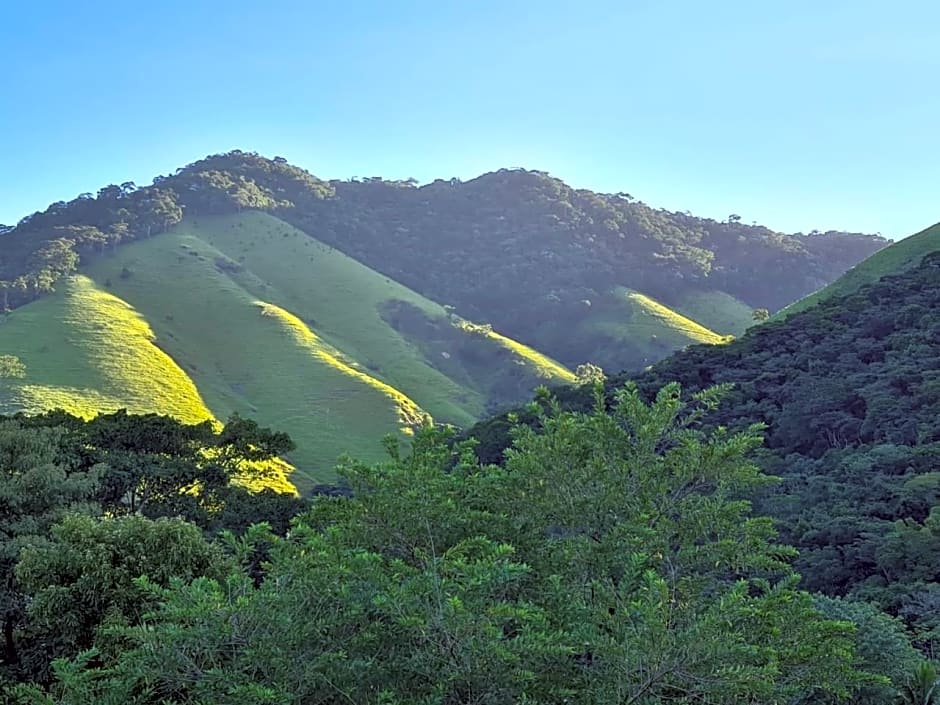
x,y
518,249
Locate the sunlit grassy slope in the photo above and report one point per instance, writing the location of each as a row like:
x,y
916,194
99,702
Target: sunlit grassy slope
x,y
640,320
543,366
87,351
894,259
242,314
339,298
642,328
718,311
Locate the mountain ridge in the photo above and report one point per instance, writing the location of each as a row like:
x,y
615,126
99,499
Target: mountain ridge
x,y
519,249
286,297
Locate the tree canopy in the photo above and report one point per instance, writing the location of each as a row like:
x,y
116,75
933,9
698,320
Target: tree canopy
x,y
64,570
612,560
850,395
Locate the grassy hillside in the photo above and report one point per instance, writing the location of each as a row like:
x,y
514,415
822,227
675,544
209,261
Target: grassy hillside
x,y
87,350
243,313
895,259
649,328
717,310
648,314
543,366
335,295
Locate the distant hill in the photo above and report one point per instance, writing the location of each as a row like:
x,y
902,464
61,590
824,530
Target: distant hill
x,y
244,313
894,259
517,249
341,311
848,386
538,258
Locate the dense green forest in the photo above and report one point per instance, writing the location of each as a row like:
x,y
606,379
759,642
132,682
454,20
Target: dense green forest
x,y
517,249
849,392
611,559
57,470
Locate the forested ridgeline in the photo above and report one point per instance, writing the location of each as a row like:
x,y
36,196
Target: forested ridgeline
x,y
499,248
849,391
610,560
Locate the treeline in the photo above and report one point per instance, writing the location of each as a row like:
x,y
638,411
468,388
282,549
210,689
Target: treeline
x,y
513,247
849,391
612,559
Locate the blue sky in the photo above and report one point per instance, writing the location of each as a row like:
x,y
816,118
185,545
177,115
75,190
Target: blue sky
x,y
796,114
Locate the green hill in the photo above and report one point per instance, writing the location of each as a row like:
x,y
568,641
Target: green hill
x,y
243,313
86,350
629,323
638,316
717,310
894,259
516,249
543,366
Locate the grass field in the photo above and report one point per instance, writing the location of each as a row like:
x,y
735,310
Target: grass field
x,y
242,314
86,350
893,259
644,322
718,311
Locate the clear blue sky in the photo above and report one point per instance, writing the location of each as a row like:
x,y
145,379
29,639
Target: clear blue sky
x,y
797,114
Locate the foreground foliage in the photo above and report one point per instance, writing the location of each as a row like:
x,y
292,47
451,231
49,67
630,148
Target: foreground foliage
x,y
63,571
850,393
612,560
